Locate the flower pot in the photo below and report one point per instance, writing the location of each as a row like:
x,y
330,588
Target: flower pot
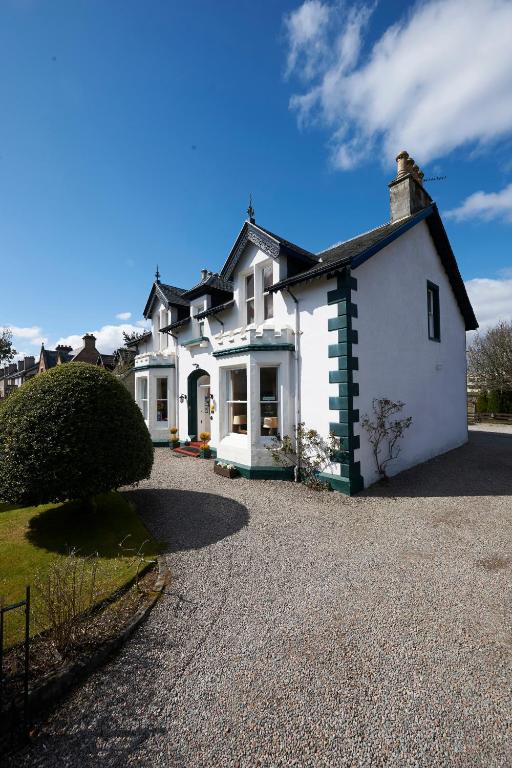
x,y
205,453
225,471
175,443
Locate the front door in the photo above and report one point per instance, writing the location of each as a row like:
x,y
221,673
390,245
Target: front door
x,y
203,404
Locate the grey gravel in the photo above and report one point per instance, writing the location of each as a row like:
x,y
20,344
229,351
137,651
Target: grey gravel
x,y
309,629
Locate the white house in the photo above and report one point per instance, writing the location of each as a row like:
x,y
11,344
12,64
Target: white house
x,y
281,335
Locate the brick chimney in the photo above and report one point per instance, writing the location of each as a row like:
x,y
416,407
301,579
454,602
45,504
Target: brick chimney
x,y
406,193
29,361
89,342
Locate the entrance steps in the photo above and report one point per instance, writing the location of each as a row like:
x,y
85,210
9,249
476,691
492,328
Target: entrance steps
x,y
189,450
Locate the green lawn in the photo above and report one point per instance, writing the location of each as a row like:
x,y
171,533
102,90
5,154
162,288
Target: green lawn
x,y
32,537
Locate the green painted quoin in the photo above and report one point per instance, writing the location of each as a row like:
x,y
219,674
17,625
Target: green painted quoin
x,y
349,480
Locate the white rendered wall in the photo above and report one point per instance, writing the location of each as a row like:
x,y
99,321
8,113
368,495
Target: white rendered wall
x,y
398,361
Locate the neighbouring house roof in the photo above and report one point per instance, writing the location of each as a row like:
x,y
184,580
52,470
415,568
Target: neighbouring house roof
x,y
107,361
352,253
169,295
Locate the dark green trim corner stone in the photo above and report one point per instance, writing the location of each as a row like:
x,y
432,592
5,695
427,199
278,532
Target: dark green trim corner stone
x,y
349,480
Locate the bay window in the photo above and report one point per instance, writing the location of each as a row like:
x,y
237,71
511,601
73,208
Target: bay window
x,y
237,401
161,399
142,396
269,402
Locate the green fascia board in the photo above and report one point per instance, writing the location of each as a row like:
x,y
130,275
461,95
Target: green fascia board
x,y
191,342
254,348
147,367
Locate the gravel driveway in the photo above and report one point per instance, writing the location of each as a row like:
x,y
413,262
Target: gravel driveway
x,y
309,629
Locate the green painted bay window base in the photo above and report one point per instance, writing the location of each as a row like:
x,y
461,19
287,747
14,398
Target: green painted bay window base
x,y
161,443
260,473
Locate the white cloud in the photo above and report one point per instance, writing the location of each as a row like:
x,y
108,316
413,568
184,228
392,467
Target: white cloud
x,y
306,29
438,79
124,315
485,205
108,337
491,300
22,335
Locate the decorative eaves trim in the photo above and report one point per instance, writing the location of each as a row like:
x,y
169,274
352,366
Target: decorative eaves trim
x,y
250,233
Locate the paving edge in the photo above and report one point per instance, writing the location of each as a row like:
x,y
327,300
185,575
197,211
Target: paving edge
x,y
57,684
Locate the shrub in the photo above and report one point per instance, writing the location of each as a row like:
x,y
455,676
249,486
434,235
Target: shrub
x,y
71,433
385,432
205,439
308,453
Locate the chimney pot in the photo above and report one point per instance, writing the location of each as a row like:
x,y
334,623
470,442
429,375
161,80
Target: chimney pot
x,y
204,274
401,162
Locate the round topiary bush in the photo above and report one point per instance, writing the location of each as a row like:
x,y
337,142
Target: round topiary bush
x,y
71,433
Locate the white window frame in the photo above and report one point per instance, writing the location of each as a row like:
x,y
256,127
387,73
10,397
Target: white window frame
x,y
228,401
268,438
143,402
252,298
162,399
266,265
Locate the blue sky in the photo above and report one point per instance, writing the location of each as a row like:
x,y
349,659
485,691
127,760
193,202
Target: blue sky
x,y
133,132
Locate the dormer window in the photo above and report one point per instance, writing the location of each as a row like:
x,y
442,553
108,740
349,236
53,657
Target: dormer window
x,y
268,298
249,299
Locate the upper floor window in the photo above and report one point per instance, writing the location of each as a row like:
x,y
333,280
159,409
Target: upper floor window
x,y
268,298
433,315
249,299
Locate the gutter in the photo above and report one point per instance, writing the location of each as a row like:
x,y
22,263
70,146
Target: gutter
x,y
296,471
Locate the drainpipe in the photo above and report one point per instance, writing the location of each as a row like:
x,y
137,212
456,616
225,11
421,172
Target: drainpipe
x,y
177,378
296,472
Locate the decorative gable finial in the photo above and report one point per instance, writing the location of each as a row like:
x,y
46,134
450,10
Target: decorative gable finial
x,y
157,274
250,211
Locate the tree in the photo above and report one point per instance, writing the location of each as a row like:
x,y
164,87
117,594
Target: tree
x,y
385,432
71,433
7,351
132,336
490,358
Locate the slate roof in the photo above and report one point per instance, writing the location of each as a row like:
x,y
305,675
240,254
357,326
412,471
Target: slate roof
x,y
213,281
168,294
215,310
352,253
143,337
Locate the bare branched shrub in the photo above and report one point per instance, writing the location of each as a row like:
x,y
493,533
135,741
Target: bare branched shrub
x,y
66,592
307,452
385,432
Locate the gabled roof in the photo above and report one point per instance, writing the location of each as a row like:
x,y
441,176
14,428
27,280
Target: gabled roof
x,y
215,310
268,242
352,253
213,282
168,295
143,337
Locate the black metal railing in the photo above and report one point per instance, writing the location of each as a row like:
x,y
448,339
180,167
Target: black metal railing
x,y
14,687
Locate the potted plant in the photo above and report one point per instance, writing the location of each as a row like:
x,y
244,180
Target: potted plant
x,y
225,470
175,440
204,450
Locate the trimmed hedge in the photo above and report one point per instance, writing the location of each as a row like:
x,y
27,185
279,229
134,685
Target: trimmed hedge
x,y
71,433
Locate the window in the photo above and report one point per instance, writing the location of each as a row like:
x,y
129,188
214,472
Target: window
x,y
268,298
249,299
269,402
142,396
164,339
161,399
434,325
237,401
